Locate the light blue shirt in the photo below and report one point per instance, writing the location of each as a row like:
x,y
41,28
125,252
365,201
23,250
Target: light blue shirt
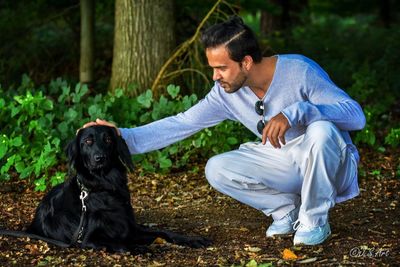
x,y
300,89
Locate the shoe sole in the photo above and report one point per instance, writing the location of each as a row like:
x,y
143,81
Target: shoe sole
x,y
280,235
319,243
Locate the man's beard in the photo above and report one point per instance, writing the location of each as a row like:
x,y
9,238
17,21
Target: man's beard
x,y
238,83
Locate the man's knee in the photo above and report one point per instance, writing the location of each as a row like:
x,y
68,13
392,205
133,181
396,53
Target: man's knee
x,y
214,170
323,133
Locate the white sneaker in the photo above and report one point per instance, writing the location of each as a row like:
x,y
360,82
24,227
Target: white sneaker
x,y
311,235
283,226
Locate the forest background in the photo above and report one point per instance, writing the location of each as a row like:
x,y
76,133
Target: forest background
x,y
65,62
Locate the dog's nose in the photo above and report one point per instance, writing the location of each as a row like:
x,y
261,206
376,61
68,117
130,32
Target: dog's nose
x,y
99,157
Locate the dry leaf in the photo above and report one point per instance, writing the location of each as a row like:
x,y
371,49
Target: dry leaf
x,y
159,241
252,249
288,255
310,260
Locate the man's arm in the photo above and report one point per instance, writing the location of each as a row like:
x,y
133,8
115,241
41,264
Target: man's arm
x,y
158,134
325,102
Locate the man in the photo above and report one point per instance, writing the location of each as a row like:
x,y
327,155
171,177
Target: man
x,y
305,162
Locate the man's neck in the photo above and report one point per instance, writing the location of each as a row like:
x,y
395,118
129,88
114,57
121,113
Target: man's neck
x,y
261,76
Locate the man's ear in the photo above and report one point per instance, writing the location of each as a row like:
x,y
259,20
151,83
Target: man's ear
x,y
247,62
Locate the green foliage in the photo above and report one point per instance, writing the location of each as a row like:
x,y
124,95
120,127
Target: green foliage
x,y
37,122
393,138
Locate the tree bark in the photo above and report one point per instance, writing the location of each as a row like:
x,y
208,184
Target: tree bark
x,y
143,40
86,67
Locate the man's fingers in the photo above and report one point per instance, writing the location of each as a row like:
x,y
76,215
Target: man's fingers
x,y
106,123
265,134
88,124
99,122
274,138
282,139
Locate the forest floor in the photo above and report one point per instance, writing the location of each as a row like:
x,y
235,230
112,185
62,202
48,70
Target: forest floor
x,y
365,230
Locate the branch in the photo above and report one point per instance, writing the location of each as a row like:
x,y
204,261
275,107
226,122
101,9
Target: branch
x,y
181,49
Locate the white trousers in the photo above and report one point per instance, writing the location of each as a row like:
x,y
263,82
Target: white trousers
x,y
309,171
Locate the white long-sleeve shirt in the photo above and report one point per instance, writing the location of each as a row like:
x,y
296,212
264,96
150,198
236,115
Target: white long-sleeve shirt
x,y
300,89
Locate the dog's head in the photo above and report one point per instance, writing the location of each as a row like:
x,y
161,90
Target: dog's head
x,y
98,149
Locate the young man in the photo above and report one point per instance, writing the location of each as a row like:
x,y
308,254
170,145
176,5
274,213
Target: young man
x,y
305,162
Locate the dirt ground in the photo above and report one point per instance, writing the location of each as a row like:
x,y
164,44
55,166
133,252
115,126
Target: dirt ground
x,y
365,230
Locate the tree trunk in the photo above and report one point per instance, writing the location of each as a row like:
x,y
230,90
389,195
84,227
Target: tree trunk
x,y
86,68
143,40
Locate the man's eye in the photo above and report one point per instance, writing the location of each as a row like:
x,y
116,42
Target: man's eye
x,y
89,141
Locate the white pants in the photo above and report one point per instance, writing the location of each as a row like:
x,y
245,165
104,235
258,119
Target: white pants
x,y
308,171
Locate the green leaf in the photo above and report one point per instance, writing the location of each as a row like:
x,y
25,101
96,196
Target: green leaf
x,y
145,99
118,92
147,166
57,178
3,146
197,143
15,111
252,263
63,128
173,90
16,142
80,91
95,111
19,166
47,105
232,140
164,162
26,172
40,184
71,114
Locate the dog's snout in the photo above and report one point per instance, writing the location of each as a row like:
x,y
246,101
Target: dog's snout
x,y
99,157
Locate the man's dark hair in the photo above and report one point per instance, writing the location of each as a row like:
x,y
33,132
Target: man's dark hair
x,y
238,38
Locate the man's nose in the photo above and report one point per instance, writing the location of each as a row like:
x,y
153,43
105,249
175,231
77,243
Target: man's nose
x,y
216,75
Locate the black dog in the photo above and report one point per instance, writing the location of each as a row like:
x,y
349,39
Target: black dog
x,y
92,209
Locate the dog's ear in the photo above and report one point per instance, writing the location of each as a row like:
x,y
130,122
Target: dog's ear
x,y
72,151
123,152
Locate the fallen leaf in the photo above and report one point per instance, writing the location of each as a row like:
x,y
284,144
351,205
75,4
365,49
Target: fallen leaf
x,y
288,255
252,249
159,241
310,260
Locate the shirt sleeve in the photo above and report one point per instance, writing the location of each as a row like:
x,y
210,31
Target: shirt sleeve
x,y
161,133
325,101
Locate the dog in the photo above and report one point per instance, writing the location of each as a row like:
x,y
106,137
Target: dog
x,y
92,208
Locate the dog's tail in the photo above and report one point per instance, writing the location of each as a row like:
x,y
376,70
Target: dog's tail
x,y
34,236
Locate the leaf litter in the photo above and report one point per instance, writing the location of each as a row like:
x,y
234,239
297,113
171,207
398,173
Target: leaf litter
x,y
365,230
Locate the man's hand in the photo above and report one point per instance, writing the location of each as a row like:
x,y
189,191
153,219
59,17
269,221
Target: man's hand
x,y
100,122
275,131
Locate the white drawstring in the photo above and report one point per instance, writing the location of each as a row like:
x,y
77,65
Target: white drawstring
x,y
296,225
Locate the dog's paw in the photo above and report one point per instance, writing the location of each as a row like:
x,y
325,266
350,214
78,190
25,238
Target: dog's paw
x,y
195,242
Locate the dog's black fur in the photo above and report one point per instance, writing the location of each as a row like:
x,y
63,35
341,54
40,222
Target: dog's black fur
x,y
99,160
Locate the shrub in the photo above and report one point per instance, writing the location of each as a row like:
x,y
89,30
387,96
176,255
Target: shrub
x,y
37,122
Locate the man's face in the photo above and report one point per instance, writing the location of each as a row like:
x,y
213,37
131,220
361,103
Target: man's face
x,y
227,72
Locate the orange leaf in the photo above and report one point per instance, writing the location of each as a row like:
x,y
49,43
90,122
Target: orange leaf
x,y
159,241
288,255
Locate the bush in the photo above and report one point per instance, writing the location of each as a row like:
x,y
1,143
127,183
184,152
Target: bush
x,y
37,122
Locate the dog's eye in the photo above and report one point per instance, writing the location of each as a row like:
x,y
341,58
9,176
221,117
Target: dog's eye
x,y
108,140
89,141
